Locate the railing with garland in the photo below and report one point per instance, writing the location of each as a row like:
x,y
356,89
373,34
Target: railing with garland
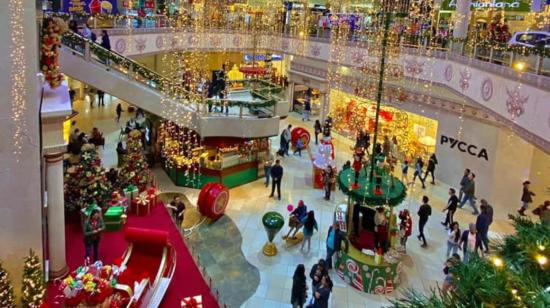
x,y
261,89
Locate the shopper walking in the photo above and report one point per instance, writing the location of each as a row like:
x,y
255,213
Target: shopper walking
x,y
418,171
431,168
106,43
423,213
287,137
405,171
526,198
276,176
118,112
93,227
543,212
335,237
483,222
321,293
299,287
452,204
465,179
470,242
310,224
317,272
328,181
299,147
100,98
453,238
267,168
469,193
307,108
317,129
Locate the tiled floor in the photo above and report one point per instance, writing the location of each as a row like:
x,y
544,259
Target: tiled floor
x,y
422,267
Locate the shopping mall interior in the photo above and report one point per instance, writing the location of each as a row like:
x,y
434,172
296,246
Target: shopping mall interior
x,y
268,153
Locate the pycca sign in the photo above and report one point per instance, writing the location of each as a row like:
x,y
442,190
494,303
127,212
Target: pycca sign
x,y
464,147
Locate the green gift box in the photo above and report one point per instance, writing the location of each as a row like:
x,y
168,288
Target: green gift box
x,y
113,218
130,192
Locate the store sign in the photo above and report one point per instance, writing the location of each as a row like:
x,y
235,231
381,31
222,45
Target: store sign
x,y
464,147
506,5
90,6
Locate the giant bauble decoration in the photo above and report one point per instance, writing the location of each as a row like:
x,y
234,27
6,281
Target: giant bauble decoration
x,y
213,199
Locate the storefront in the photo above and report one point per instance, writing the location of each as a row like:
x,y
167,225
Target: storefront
x,y
515,12
192,162
415,134
500,159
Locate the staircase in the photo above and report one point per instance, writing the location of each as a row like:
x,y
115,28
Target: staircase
x,y
132,82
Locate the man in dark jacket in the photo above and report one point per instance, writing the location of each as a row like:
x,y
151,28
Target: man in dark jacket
x,y
483,222
452,204
463,182
526,198
424,212
335,237
317,272
431,168
277,176
470,193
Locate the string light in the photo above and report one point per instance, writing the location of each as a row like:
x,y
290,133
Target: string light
x,y
498,262
18,75
542,260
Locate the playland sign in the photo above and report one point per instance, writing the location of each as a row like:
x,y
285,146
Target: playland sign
x,y
506,5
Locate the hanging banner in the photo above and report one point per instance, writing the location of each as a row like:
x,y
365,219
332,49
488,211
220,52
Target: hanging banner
x,y
506,5
90,6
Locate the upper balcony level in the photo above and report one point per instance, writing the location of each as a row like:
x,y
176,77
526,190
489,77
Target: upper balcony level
x,y
482,76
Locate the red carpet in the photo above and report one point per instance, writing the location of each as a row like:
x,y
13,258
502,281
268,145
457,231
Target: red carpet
x,y
187,280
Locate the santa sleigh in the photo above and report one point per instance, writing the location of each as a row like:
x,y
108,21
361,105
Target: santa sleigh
x,y
149,262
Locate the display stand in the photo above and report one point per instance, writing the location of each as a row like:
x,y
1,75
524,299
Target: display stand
x,y
363,269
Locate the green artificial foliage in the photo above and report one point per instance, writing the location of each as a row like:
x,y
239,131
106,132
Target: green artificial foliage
x,y
7,299
33,289
521,279
86,182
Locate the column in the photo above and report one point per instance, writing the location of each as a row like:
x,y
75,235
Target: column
x,y
461,19
56,215
325,106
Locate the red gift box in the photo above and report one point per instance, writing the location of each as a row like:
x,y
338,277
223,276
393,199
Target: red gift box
x,y
192,302
152,193
141,205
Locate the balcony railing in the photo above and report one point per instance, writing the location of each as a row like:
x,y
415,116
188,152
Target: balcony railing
x,y
264,94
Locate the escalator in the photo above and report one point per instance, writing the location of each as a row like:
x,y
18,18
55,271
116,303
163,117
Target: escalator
x,y
132,82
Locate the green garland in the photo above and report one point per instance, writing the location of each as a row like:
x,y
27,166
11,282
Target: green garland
x,y
518,279
396,194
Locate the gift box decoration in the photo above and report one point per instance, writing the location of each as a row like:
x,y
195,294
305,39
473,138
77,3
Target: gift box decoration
x,y
141,205
113,218
192,302
131,192
152,193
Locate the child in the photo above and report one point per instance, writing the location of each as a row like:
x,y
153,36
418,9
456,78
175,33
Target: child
x,y
405,228
299,147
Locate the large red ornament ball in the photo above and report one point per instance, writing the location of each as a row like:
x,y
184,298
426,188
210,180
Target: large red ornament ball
x,y
213,200
302,133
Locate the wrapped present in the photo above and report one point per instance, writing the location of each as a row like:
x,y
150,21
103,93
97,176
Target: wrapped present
x,y
141,205
131,192
113,218
152,193
192,302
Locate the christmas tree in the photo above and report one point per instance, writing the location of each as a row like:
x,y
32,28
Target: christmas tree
x,y
33,289
135,170
515,275
86,182
7,299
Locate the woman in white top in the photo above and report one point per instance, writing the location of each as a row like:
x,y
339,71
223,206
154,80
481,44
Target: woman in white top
x,y
453,238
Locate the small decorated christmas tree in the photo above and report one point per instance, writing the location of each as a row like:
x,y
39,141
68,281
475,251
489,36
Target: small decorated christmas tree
x,y
33,289
7,300
86,182
135,170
